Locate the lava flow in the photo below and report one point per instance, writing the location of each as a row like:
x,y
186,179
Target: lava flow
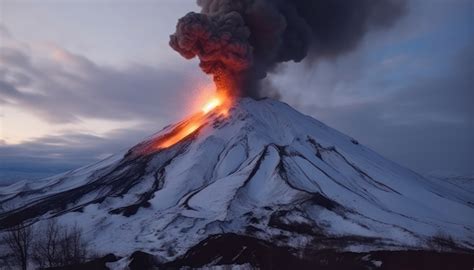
x,y
218,105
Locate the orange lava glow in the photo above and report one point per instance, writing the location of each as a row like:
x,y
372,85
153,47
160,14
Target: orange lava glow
x,y
211,104
218,104
176,135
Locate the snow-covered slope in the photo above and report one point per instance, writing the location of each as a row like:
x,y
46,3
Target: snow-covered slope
x,y
465,182
265,171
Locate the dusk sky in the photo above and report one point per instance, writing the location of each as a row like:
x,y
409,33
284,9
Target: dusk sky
x,y
80,80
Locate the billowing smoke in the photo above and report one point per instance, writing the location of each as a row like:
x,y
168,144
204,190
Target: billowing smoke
x,y
240,41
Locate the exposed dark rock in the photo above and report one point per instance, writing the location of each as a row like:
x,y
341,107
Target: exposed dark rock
x,y
429,260
323,201
142,260
225,249
278,220
234,249
96,264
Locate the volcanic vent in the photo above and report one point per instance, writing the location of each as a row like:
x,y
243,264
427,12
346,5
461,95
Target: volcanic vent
x,y
262,171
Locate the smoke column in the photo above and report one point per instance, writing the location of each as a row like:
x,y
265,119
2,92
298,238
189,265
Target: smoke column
x,y
240,41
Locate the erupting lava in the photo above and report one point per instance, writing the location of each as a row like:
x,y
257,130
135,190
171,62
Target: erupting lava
x,y
176,135
211,104
218,104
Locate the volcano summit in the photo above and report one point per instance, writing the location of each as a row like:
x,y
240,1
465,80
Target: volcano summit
x,y
263,176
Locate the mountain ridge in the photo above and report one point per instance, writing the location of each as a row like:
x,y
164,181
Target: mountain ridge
x,y
265,171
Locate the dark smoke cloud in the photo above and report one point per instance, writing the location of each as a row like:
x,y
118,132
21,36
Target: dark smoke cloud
x,y
240,41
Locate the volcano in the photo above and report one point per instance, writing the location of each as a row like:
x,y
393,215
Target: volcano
x,y
262,177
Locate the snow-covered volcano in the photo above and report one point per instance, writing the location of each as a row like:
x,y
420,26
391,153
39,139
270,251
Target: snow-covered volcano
x,y
264,171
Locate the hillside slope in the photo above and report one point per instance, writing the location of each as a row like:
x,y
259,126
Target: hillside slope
x,y
264,171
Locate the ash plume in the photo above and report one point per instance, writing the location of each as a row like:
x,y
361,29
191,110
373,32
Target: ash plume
x,y
240,41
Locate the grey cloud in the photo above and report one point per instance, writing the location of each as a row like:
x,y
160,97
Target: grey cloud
x,y
54,154
73,87
64,92
425,123
8,91
443,96
15,58
4,32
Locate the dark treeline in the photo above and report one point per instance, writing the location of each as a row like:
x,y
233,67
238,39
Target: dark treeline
x,y
51,245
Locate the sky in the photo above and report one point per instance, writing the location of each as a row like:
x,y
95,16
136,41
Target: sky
x,y
82,79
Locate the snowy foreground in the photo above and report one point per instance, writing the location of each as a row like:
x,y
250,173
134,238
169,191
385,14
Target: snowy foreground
x,y
265,171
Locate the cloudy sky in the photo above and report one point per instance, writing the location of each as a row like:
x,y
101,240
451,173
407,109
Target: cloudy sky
x,y
82,79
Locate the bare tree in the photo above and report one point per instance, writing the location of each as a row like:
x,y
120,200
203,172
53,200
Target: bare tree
x,y
59,246
72,246
46,246
18,239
